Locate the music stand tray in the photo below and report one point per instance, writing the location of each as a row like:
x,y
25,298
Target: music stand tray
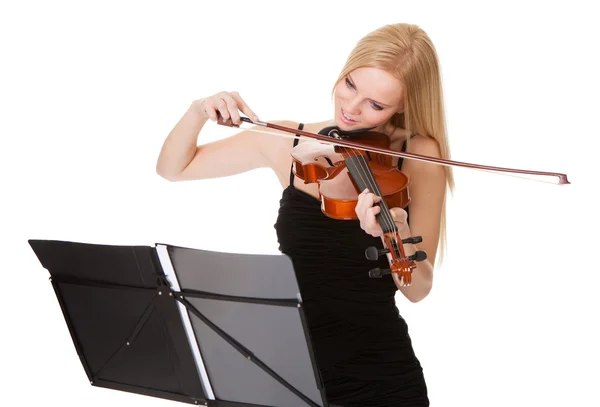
x,y
189,325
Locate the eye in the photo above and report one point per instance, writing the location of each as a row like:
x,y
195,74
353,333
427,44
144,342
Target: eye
x,y
376,106
349,84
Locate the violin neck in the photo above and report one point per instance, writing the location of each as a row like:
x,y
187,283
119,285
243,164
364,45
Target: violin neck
x,y
363,178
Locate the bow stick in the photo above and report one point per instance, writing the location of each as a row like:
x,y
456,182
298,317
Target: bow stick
x,y
560,178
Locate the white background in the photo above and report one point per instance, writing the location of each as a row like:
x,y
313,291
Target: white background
x,y
90,90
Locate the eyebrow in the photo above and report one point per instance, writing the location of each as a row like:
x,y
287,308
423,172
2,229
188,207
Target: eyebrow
x,y
374,101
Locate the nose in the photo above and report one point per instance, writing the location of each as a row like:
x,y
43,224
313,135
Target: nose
x,y
352,106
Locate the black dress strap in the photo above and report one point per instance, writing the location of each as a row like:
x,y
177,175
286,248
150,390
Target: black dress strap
x,y
401,159
300,127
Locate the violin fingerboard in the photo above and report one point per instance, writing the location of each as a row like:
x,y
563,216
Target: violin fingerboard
x,y
363,178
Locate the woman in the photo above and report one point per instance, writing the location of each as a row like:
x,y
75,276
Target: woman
x,y
390,83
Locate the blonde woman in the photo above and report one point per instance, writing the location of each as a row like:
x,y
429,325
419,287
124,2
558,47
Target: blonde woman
x,y
390,84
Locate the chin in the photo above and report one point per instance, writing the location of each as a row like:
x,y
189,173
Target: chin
x,y
343,126
340,124
337,122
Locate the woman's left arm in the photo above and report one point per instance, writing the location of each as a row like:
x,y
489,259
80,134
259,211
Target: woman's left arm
x,y
427,187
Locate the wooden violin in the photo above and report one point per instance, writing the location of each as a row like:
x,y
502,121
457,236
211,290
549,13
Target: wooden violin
x,y
325,164
366,159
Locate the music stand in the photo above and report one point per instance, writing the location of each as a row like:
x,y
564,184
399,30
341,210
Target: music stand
x,y
189,325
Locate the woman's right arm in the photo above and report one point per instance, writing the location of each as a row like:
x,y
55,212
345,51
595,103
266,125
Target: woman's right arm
x,y
181,158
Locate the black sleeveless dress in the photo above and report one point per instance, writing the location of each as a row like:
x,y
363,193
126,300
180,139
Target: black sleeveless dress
x,y
361,342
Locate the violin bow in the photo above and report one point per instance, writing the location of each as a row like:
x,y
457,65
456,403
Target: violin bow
x,y
559,178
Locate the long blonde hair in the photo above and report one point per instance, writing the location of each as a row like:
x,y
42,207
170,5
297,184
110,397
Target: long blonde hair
x,y
407,52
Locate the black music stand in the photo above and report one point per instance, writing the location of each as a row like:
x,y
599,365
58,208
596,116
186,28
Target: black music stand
x,y
194,326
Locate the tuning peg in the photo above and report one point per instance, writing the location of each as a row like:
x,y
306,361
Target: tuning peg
x,y
378,272
419,255
372,253
412,240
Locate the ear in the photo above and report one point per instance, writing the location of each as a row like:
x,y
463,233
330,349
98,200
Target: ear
x,y
402,104
400,108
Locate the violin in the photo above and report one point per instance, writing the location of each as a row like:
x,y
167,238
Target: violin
x,y
317,162
366,159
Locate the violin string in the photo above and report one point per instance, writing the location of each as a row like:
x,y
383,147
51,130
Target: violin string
x,y
366,176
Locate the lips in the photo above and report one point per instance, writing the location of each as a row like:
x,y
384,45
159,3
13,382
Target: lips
x,y
345,118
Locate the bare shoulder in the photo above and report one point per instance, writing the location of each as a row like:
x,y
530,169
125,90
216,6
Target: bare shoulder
x,y
424,145
422,172
273,143
277,147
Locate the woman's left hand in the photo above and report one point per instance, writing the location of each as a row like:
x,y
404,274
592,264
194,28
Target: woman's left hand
x,y
366,211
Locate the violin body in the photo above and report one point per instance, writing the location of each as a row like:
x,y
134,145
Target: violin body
x,y
321,163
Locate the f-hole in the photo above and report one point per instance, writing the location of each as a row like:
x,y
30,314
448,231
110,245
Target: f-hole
x,y
325,158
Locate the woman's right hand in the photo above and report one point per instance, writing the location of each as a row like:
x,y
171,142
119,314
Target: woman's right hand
x,y
227,104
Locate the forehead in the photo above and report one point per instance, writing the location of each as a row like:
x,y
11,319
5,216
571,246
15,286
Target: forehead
x,y
377,84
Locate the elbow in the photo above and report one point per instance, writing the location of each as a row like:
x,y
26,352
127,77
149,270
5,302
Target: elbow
x,y
423,283
169,176
418,295
417,298
167,171
160,170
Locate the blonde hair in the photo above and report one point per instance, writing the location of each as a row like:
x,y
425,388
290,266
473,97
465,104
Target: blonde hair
x,y
407,52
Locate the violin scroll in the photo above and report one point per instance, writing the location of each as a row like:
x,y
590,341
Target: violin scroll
x,y
400,264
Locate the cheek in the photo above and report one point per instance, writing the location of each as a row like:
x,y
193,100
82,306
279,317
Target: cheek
x,y
342,91
375,117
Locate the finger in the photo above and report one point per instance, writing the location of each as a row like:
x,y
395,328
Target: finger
x,y
243,106
365,201
373,197
367,191
371,212
232,107
399,215
210,110
369,222
360,204
370,199
222,108
364,194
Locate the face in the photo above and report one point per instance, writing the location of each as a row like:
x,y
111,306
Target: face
x,y
367,97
